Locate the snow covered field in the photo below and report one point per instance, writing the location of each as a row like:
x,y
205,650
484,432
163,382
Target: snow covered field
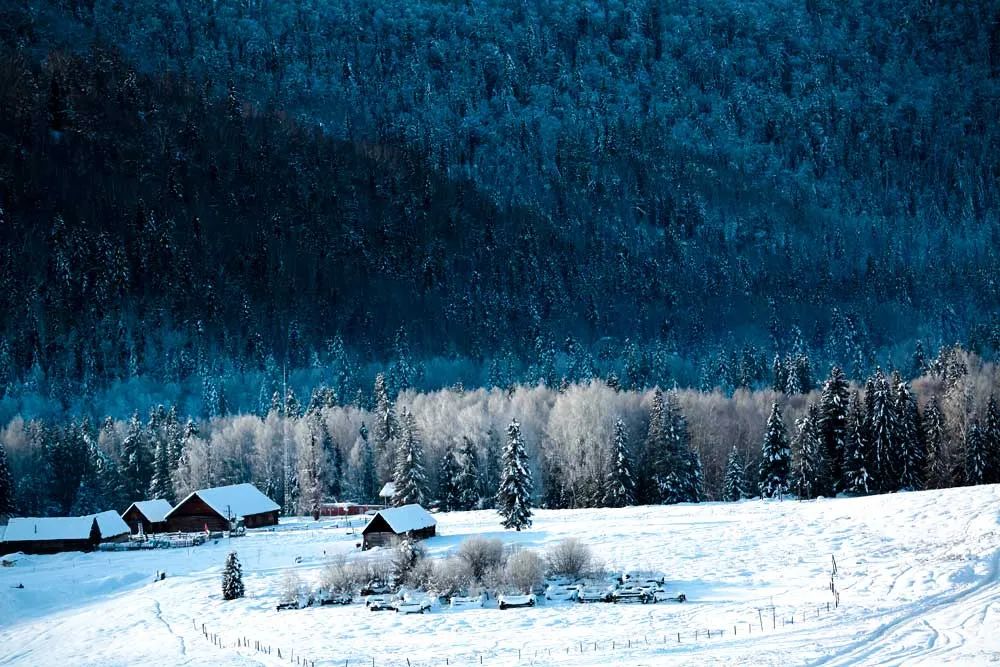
x,y
918,575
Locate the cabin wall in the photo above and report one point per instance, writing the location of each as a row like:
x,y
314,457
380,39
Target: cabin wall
x,y
193,516
260,520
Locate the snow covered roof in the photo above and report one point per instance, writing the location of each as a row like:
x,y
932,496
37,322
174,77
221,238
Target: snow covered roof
x,y
110,524
406,518
388,491
154,510
237,500
29,529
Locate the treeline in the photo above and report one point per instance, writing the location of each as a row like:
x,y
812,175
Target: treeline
x,y
199,198
584,445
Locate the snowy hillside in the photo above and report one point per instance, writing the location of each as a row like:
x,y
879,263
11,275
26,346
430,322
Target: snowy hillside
x,y
918,576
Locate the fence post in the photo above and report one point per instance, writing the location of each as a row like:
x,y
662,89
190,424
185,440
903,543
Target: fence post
x,y
678,638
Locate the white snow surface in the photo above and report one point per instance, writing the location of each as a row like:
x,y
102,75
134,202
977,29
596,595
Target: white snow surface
x,y
111,524
388,490
22,529
154,510
236,500
406,518
917,575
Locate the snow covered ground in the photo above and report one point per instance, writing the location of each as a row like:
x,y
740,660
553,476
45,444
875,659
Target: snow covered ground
x,y
918,575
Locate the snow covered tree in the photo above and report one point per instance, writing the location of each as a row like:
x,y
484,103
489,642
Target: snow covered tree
x,y
881,429
812,469
681,468
976,463
489,478
514,495
232,578
619,488
368,475
409,477
311,477
833,404
857,458
386,429
135,461
776,455
449,495
991,437
468,476
938,466
735,483
909,440
6,485
161,485
654,455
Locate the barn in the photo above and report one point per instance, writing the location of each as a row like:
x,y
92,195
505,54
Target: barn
x,y
221,507
50,535
147,516
111,526
389,526
346,509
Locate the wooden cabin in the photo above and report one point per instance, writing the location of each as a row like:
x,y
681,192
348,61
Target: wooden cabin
x,y
50,535
389,526
112,527
220,509
147,516
346,509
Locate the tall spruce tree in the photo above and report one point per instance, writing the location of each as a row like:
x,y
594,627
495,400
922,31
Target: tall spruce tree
x,y
136,468
882,427
619,487
976,463
776,455
812,467
734,486
6,485
386,429
938,466
232,578
857,453
682,466
833,406
410,477
991,437
910,444
449,494
161,485
468,477
655,458
514,495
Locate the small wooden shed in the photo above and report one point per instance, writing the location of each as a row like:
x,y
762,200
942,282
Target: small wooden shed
x,y
389,526
111,526
149,516
221,507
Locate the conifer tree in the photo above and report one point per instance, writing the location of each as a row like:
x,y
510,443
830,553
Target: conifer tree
x,y
812,478
991,438
776,455
976,463
468,476
556,494
312,476
161,485
653,474
881,419
449,495
833,407
735,482
514,495
135,461
232,578
385,431
619,488
938,466
857,455
909,440
410,478
6,485
489,477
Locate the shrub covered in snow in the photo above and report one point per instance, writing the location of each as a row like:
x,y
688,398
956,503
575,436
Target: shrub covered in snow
x,y
292,590
482,555
524,571
569,558
451,576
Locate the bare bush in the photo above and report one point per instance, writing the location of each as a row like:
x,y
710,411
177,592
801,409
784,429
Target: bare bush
x,y
421,574
292,589
482,555
451,576
524,571
569,558
339,576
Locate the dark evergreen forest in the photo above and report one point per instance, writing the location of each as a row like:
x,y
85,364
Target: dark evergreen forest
x,y
201,202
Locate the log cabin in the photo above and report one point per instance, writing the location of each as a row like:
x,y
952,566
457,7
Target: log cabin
x,y
220,508
147,516
389,526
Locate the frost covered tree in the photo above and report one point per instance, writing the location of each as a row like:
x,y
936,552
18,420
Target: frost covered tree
x,y
410,477
812,467
468,476
385,432
136,467
776,457
449,494
857,457
882,427
991,441
909,440
680,470
232,578
976,456
938,466
654,454
735,483
833,405
161,485
619,488
6,485
311,477
514,495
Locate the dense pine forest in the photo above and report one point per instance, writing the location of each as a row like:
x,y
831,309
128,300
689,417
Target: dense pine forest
x,y
226,225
